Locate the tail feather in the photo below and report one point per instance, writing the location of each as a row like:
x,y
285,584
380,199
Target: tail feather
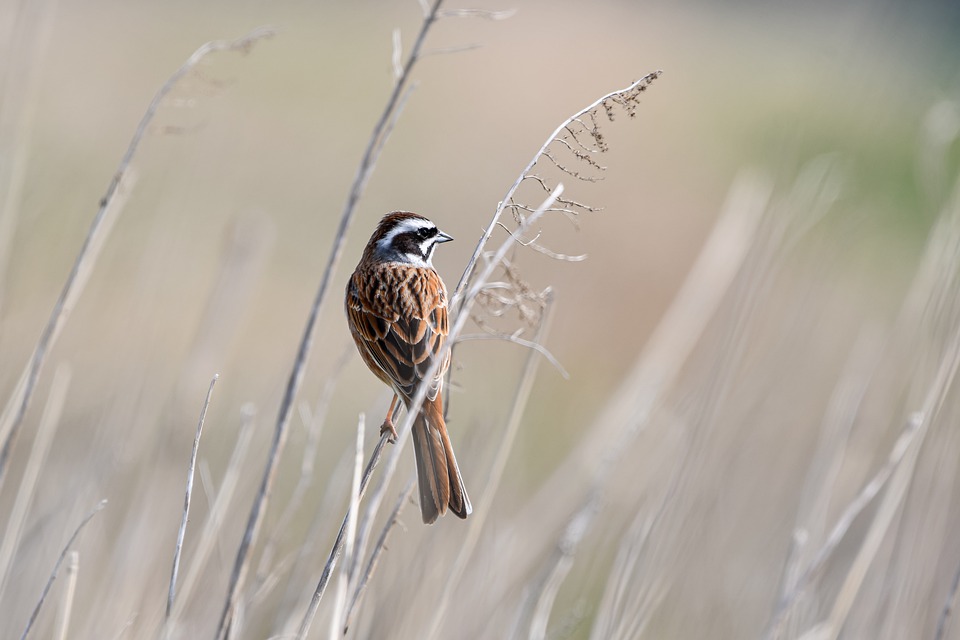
x,y
438,475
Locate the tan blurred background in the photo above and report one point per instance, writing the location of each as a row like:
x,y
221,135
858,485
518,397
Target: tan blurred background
x,y
215,258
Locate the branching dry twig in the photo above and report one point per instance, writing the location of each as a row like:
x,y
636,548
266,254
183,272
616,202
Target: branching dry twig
x,y
466,296
529,344
404,430
627,97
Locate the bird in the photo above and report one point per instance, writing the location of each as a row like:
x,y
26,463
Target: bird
x,y
396,305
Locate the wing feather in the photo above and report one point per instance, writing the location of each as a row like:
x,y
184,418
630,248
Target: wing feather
x,y
398,318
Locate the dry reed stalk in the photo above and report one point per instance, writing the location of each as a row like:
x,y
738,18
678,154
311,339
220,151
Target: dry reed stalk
x,y
708,281
338,543
27,39
56,568
464,297
378,138
110,204
66,608
378,549
660,547
931,297
182,531
211,528
846,519
629,93
810,530
403,430
338,620
314,421
374,501
512,426
49,422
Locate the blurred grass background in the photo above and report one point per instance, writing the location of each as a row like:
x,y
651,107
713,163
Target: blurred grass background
x,y
214,260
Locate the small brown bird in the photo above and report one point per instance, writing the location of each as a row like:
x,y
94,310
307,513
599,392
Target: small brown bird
x,y
397,311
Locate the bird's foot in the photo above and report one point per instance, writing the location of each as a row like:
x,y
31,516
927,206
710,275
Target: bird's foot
x,y
387,427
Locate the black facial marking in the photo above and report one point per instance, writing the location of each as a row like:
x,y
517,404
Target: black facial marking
x,y
411,242
407,239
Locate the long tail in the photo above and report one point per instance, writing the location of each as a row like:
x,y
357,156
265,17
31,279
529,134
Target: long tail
x,y
439,476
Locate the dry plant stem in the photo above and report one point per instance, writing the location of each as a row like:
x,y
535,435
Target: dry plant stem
x,y
14,412
339,618
710,278
529,344
810,529
508,198
21,95
948,607
49,422
171,593
315,421
412,412
470,296
338,543
466,299
475,524
933,282
377,139
211,528
63,619
854,509
374,502
377,550
893,498
56,568
94,239
561,561
289,613
629,555
417,401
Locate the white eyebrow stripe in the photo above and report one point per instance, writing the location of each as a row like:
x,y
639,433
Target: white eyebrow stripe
x,y
406,226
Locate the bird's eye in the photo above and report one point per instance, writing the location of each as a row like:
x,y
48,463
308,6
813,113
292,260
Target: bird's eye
x,y
423,233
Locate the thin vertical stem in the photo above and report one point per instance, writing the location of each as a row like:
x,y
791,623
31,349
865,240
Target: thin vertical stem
x,y
181,533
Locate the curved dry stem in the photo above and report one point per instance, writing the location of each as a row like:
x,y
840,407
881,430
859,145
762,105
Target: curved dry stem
x,y
529,344
56,568
182,531
12,421
627,92
211,528
46,434
518,407
381,132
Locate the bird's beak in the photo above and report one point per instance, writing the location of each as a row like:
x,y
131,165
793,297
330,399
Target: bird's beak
x,y
442,237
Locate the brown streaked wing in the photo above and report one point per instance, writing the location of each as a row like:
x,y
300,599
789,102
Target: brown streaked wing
x,y
399,315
